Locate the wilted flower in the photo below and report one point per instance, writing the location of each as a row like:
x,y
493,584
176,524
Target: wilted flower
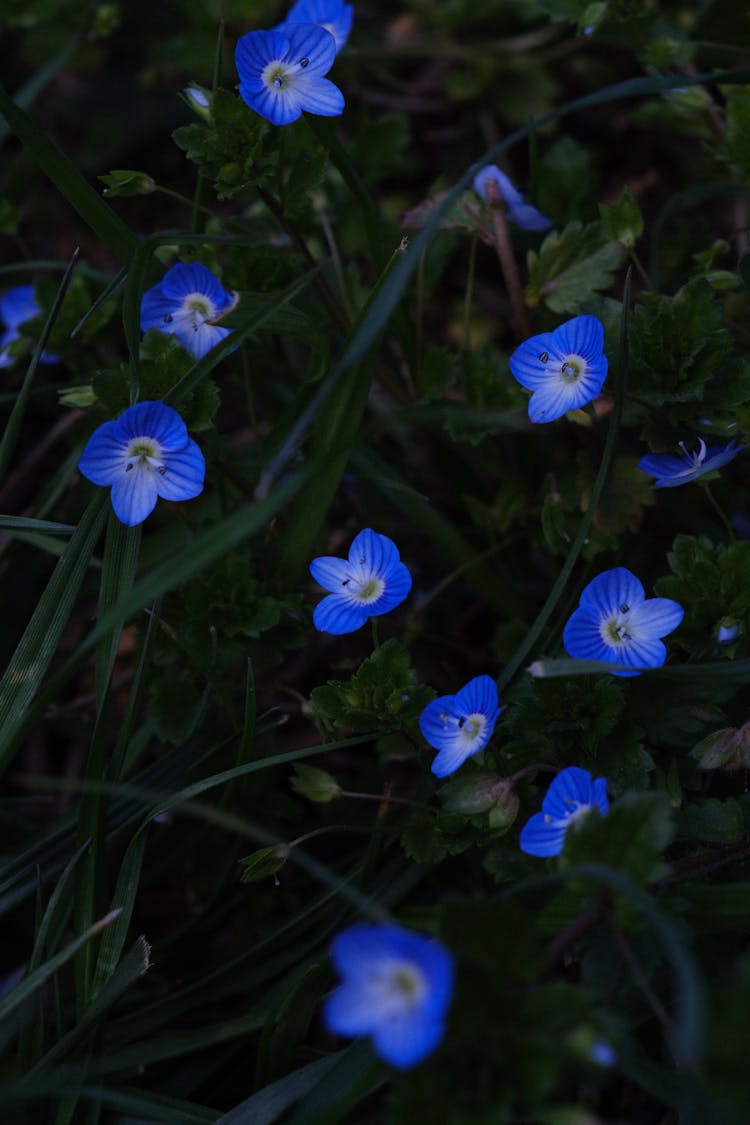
x,y
185,304
396,987
333,15
617,623
371,582
674,469
565,369
144,454
17,306
460,725
281,73
571,796
519,211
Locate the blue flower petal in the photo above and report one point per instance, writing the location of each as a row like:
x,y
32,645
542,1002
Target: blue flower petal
x,y
314,43
333,15
527,365
337,616
184,279
156,308
480,694
507,191
643,652
374,551
570,787
330,572
583,335
319,96
528,218
199,341
453,754
408,1039
552,401
154,420
253,53
103,457
18,305
656,616
134,496
184,476
612,589
540,838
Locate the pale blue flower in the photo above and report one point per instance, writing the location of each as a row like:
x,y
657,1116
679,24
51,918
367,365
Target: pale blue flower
x,y
334,16
18,305
617,623
727,631
396,987
370,582
565,369
571,796
460,725
144,454
281,73
674,469
519,211
185,303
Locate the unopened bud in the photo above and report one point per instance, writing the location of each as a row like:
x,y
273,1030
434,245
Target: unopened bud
x,y
199,99
727,631
316,785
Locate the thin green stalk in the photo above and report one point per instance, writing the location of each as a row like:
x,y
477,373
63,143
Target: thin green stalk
x,y
719,510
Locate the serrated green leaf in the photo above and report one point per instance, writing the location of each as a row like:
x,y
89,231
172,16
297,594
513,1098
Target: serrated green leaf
x,y
570,265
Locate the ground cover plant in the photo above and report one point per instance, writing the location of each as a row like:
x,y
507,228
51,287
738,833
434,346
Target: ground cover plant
x,y
375,554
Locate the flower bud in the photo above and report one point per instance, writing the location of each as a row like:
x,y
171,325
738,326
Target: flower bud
x,y
199,99
727,631
316,785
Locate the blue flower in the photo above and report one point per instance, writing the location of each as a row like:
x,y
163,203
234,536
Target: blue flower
x,y
16,307
460,725
616,622
571,796
372,582
143,454
565,369
184,304
281,73
674,469
396,986
519,211
334,16
727,631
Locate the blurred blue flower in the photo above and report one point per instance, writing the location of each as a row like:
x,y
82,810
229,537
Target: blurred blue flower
x,y
396,986
281,73
16,307
460,725
727,631
565,369
144,454
372,582
602,1053
617,623
519,211
184,304
334,16
674,469
571,796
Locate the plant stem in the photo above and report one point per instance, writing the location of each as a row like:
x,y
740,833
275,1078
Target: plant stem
x,y
719,511
520,314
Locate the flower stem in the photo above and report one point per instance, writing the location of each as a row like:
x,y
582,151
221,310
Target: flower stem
x,y
641,269
520,314
719,511
466,343
375,638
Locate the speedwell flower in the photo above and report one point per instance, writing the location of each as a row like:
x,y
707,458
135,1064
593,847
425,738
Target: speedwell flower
x,y
396,986
144,454
674,469
617,623
185,303
17,306
565,369
281,73
371,582
460,725
570,797
333,15
519,211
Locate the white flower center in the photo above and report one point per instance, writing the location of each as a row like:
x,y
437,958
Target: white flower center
x,y
364,590
396,986
573,367
615,630
196,309
578,810
144,453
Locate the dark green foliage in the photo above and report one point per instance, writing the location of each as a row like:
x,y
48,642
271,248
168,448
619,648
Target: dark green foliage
x,y
384,694
631,837
570,265
567,717
712,581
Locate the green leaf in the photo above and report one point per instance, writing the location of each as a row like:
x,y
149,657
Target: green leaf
x,y
737,139
630,838
713,821
570,265
622,221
